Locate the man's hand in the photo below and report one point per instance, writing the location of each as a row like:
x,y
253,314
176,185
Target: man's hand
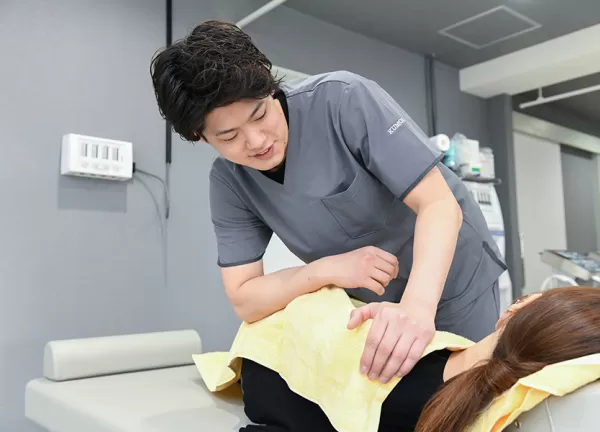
x,y
368,267
397,338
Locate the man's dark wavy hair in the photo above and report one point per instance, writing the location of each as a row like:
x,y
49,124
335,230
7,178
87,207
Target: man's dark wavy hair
x,y
215,65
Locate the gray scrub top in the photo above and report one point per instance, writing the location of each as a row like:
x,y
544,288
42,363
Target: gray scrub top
x,y
353,155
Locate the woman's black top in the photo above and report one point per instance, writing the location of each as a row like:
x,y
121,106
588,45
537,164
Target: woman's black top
x,y
273,407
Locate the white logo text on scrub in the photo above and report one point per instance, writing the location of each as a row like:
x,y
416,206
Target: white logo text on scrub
x,y
396,125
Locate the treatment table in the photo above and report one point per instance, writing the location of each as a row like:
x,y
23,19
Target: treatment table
x,y
131,383
149,383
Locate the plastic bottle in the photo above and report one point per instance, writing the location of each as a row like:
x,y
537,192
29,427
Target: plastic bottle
x,y
450,155
473,166
488,169
467,156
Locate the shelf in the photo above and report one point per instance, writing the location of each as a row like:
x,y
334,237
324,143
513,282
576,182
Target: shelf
x,y
494,181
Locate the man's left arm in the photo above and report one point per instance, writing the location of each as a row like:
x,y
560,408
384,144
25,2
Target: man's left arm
x,y
399,154
400,332
438,221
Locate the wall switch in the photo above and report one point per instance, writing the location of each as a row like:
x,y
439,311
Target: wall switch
x,y
101,158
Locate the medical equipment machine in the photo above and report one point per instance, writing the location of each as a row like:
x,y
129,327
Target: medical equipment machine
x,y
572,268
484,192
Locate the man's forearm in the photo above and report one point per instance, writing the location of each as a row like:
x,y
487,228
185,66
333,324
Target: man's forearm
x,y
436,234
264,295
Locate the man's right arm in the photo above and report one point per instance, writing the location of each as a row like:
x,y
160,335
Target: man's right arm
x,y
255,295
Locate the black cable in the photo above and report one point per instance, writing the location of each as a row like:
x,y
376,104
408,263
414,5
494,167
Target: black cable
x,y
154,201
431,94
163,228
169,22
169,31
164,185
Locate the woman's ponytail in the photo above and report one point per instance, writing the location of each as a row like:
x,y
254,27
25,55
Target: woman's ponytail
x,y
458,402
559,325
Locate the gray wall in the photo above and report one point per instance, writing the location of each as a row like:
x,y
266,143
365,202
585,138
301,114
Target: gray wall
x,y
79,257
458,111
580,189
500,128
294,41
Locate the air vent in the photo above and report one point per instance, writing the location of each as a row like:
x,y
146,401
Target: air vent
x,y
490,27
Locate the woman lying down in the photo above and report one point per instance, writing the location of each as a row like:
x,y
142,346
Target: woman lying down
x,y
446,390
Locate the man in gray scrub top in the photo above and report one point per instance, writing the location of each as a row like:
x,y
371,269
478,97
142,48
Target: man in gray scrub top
x,y
340,172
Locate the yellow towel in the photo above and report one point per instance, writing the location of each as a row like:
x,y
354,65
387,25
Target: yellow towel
x,y
558,379
309,345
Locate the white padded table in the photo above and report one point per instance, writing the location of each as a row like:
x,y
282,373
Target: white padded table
x,y
163,400
165,397
574,412
148,383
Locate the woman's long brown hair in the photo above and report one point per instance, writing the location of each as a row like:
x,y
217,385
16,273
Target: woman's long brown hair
x,y
562,324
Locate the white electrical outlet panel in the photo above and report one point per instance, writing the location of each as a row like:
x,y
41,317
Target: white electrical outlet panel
x,y
101,158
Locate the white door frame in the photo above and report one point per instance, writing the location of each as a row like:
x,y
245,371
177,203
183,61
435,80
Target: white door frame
x,y
552,132
529,125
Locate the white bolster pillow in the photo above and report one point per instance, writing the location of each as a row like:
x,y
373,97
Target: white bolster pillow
x,y
84,358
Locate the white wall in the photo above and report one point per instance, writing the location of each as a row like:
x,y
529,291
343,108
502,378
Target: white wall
x,y
278,256
540,204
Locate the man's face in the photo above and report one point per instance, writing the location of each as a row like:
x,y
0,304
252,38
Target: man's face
x,y
253,133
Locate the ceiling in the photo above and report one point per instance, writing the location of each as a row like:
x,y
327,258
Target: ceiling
x,y
462,33
415,25
580,112
583,105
